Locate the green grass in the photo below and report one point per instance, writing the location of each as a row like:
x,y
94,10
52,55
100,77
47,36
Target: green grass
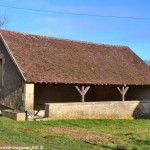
x,y
132,134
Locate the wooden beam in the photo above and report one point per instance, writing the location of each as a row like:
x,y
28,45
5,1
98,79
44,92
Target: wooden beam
x,y
123,91
83,91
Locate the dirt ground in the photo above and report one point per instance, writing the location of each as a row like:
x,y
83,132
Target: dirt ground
x,y
82,134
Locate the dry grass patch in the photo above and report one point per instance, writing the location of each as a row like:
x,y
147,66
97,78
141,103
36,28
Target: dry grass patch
x,y
46,138
7,130
82,134
25,131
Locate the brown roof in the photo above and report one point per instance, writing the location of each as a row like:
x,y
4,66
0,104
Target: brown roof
x,y
51,60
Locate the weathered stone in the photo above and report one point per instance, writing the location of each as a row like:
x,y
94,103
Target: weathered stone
x,y
126,109
19,116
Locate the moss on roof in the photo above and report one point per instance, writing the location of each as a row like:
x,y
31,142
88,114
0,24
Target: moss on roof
x,y
52,60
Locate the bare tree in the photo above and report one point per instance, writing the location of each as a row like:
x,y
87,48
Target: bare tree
x,y
147,62
3,20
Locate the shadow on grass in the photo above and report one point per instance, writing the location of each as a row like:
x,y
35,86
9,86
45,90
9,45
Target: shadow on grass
x,y
115,148
143,142
107,147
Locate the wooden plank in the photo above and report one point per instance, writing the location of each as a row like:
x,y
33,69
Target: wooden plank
x,y
119,90
86,89
126,89
78,89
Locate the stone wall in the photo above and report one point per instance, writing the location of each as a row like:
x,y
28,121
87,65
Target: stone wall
x,y
12,83
129,109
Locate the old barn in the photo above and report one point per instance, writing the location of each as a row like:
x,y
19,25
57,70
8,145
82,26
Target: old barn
x,y
72,79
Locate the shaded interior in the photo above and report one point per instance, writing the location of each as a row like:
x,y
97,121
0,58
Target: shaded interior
x,y
64,93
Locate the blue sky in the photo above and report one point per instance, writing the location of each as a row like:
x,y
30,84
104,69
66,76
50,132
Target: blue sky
x,y
133,33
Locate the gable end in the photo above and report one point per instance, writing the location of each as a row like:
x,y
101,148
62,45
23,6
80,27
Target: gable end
x,y
11,56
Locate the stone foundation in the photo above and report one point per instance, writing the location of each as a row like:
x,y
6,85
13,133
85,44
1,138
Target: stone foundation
x,y
97,110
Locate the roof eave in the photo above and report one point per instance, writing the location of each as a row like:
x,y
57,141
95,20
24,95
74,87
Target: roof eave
x,y
12,57
90,83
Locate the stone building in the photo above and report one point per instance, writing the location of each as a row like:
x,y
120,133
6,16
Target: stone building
x,y
38,72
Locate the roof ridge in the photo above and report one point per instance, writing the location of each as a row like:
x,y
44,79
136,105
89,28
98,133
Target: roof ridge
x,y
71,40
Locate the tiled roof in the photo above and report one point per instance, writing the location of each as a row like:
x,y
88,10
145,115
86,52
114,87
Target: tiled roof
x,y
52,60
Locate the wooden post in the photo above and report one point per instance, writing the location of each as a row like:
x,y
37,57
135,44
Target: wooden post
x,y
83,91
123,91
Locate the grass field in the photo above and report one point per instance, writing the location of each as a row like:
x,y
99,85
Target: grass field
x,y
76,134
